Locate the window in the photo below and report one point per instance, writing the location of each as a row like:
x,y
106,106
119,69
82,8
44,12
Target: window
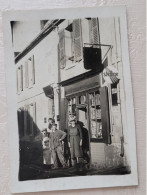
x,y
19,77
92,107
29,72
70,45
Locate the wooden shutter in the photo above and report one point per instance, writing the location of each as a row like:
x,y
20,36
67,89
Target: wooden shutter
x,y
77,36
21,78
105,114
33,70
26,75
94,31
61,50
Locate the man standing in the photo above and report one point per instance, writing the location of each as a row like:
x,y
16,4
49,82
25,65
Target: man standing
x,y
56,137
49,129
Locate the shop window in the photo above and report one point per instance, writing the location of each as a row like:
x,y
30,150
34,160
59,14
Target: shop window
x,y
99,116
92,107
19,77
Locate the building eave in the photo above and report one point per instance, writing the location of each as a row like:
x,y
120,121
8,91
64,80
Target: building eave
x,y
45,31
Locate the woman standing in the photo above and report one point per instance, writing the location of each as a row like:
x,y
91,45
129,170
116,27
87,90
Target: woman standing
x,y
75,141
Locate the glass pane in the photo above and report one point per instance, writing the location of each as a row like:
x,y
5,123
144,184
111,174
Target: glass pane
x,y
93,129
82,99
97,98
74,100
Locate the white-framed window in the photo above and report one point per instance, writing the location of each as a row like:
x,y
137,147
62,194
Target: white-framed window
x,y
70,45
29,72
19,79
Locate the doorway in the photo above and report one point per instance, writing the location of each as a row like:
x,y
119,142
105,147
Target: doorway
x,y
82,120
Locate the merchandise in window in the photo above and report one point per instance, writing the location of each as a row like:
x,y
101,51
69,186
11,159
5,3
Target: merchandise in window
x,y
95,115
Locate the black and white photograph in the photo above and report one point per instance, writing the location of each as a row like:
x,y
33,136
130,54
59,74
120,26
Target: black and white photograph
x,y
72,111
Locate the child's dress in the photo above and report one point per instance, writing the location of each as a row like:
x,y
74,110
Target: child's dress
x,y
47,158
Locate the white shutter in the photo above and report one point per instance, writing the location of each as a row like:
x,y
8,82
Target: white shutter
x,y
26,75
61,50
21,78
33,70
94,31
19,81
77,39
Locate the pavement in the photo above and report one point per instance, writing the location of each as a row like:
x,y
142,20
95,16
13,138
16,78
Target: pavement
x,y
33,172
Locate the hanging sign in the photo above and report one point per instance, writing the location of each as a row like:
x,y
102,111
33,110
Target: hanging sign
x,y
110,75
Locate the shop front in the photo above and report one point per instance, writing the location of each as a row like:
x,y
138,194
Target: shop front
x,y
88,102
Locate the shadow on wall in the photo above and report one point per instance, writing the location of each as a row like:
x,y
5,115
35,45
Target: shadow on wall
x,y
30,145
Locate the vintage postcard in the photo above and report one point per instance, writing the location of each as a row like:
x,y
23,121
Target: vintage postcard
x,y
70,104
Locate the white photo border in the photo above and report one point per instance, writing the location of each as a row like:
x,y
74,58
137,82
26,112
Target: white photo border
x,y
79,182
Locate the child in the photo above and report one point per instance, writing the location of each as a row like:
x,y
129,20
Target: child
x,y
46,151
47,159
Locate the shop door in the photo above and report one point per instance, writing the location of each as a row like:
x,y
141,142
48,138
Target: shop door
x,y
83,120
